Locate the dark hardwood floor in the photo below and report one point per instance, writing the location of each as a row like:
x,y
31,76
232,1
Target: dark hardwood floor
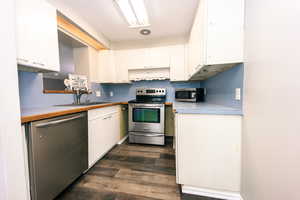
x,y
131,172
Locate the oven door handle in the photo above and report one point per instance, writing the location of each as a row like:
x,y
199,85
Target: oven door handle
x,y
147,106
148,135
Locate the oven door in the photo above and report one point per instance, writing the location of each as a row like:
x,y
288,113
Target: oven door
x,y
147,118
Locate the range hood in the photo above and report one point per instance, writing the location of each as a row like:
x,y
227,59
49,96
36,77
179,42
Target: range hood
x,y
207,71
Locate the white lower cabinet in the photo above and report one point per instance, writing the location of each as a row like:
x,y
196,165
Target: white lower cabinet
x,y
104,131
208,152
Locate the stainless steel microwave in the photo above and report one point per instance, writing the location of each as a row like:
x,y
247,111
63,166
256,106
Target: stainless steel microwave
x,y
190,94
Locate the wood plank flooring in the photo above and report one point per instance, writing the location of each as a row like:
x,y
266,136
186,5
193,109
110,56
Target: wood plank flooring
x,y
131,172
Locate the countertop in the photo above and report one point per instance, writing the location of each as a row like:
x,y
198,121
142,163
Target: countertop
x,y
34,114
204,108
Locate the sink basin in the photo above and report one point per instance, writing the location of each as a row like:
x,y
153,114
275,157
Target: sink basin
x,y
85,104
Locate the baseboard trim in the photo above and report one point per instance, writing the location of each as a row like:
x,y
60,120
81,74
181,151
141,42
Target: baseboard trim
x,y
123,140
211,193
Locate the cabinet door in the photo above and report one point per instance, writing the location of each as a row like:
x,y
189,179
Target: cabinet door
x,y
209,155
116,117
217,34
178,63
106,66
37,38
121,58
100,137
137,58
82,61
104,132
197,41
225,24
93,65
158,57
94,129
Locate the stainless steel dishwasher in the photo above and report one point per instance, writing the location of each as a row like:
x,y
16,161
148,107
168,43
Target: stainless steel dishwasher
x,y
58,154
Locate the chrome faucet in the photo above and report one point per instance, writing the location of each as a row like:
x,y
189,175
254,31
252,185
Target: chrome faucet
x,y
78,93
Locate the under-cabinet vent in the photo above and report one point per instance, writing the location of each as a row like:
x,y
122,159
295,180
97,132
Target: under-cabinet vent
x,y
149,74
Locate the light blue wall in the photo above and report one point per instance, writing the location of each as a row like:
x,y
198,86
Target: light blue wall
x,y
221,88
125,92
31,92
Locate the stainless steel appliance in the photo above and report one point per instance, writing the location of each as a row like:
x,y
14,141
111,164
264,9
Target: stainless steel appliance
x,y
146,116
190,94
58,154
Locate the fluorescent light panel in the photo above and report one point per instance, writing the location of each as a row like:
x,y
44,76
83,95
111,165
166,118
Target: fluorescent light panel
x,y
134,12
140,12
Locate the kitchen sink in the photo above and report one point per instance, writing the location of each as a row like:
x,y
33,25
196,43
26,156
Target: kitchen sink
x,y
85,104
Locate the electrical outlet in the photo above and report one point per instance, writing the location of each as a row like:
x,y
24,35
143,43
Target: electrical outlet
x,y
238,94
98,93
111,93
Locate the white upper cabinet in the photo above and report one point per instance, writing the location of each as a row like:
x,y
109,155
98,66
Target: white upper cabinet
x,y
165,62
37,37
136,58
106,66
158,57
178,71
86,63
217,34
93,63
121,57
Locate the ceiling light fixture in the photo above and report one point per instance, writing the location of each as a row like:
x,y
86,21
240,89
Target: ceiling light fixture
x,y
134,12
145,32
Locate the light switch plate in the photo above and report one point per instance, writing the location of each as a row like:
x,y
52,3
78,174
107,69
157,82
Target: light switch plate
x,y
111,93
237,93
98,93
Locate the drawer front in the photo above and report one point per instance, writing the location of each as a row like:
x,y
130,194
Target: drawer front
x,y
92,114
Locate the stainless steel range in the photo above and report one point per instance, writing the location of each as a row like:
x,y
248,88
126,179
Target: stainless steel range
x,y
147,116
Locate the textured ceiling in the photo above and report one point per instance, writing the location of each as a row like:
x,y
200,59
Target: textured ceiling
x,y
168,18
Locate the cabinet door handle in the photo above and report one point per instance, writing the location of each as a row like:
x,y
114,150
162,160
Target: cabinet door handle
x,y
22,60
37,63
197,67
107,117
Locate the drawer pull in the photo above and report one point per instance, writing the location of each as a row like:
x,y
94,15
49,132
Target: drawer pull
x,y
37,63
22,60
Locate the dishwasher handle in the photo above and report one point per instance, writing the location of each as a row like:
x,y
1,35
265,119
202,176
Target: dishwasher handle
x,y
42,125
